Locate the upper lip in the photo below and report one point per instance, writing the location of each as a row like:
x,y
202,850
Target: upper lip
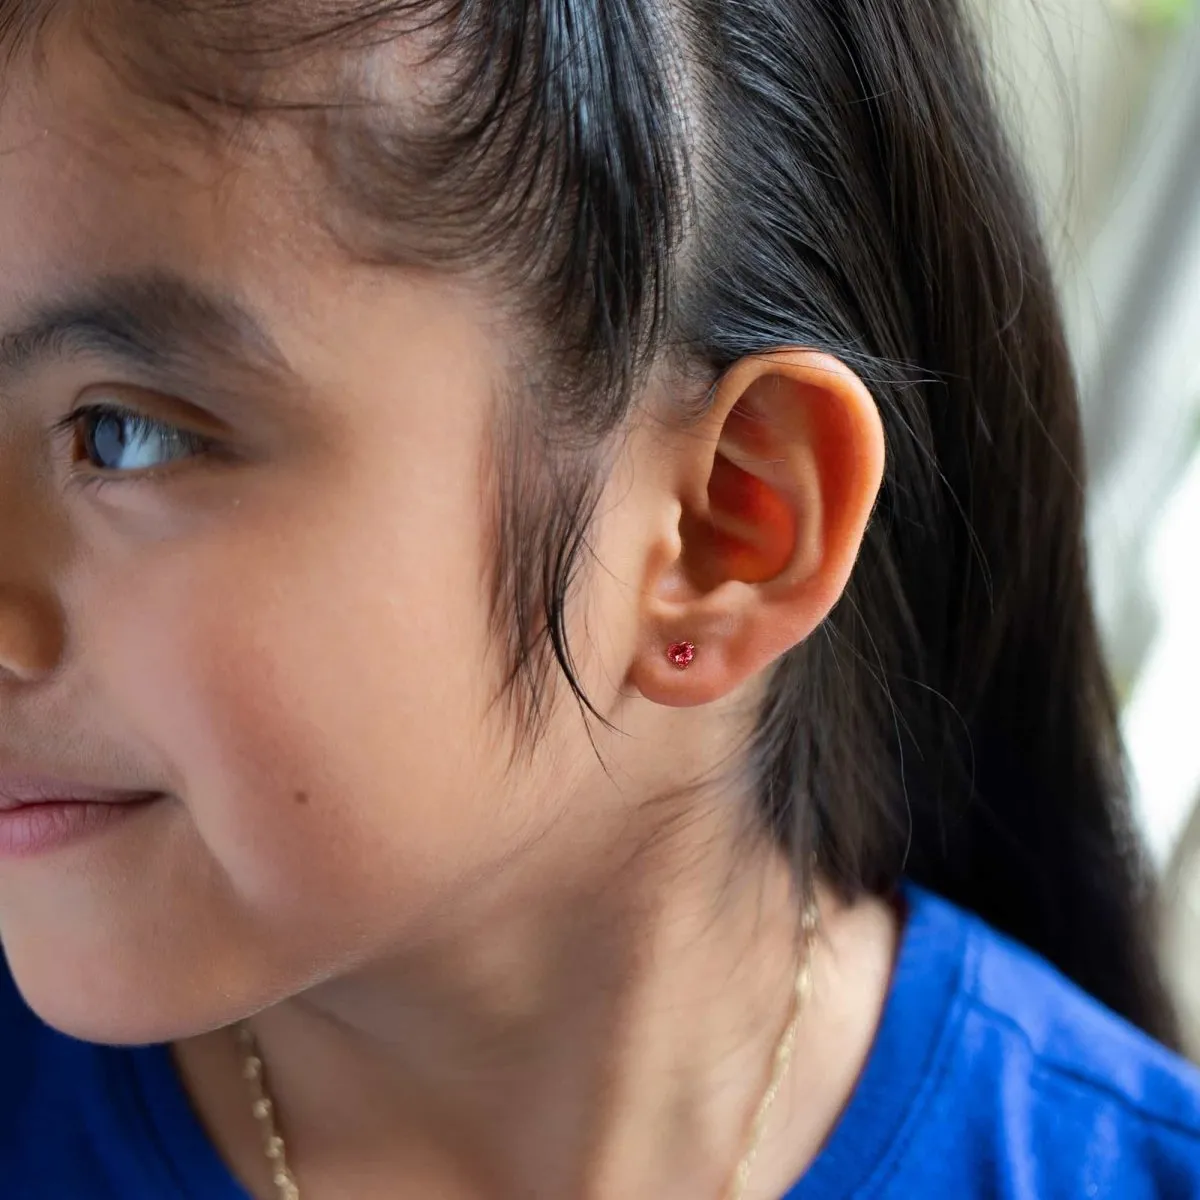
x,y
20,791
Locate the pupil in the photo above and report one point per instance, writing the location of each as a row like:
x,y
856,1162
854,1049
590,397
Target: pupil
x,y
108,441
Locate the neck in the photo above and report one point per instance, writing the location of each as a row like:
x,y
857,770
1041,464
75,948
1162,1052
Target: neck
x,y
609,1044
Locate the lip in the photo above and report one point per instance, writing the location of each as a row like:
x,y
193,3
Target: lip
x,y
21,791
30,830
39,814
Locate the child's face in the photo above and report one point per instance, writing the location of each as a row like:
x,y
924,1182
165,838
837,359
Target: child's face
x,y
288,638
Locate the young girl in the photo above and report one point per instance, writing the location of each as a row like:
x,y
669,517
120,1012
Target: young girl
x,y
542,609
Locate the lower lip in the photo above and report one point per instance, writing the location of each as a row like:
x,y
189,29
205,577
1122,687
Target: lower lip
x,y
40,828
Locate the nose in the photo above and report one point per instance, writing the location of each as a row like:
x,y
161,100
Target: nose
x,y
32,626
31,635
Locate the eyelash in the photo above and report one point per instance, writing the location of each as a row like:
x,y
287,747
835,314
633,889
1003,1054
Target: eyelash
x,y
85,474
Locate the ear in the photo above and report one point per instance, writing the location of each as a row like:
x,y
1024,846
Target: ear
x,y
774,491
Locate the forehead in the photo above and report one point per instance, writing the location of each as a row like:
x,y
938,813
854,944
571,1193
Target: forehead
x,y
96,180
99,185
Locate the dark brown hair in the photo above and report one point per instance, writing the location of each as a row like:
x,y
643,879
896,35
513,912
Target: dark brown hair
x,y
709,180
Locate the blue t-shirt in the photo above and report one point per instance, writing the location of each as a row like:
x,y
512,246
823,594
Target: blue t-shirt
x,y
991,1076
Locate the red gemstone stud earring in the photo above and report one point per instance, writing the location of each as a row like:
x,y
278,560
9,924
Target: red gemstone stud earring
x,y
681,654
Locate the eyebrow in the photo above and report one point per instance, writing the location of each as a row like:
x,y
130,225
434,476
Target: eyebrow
x,y
159,322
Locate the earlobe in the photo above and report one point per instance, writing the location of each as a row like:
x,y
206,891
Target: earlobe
x,y
791,462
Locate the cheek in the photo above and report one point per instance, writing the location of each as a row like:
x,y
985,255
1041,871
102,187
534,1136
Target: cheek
x,y
313,679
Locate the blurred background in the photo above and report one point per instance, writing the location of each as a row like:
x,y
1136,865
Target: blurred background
x,y
1103,99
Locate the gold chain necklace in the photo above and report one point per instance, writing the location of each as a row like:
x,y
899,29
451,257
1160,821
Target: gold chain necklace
x,y
263,1109
286,1188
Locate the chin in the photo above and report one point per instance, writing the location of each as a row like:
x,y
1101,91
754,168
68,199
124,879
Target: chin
x,y
115,1000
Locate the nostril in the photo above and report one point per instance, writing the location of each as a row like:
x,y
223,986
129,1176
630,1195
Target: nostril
x,y
31,635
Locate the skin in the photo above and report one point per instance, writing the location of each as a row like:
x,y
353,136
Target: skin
x,y
472,975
